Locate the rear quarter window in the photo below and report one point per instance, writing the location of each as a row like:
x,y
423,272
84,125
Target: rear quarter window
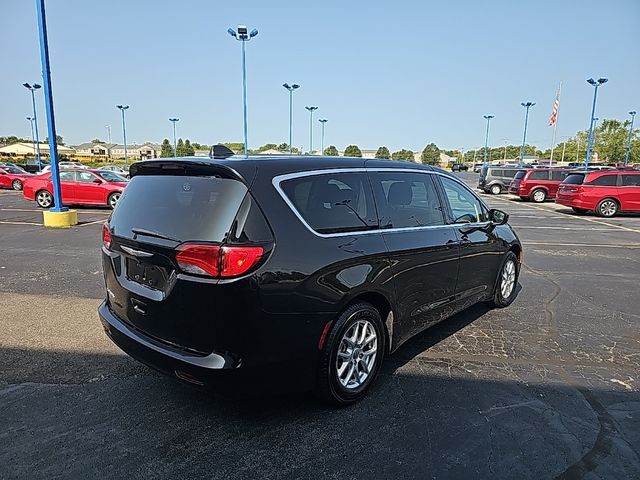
x,y
558,175
333,202
630,180
539,175
574,179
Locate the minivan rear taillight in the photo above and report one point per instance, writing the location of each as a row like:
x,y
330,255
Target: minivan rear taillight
x,y
216,261
106,236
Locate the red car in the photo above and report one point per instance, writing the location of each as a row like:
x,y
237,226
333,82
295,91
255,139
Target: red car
x,y
79,187
13,177
604,192
537,184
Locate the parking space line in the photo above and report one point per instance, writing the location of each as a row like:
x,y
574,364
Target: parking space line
x,y
568,228
20,223
91,223
20,210
573,217
587,245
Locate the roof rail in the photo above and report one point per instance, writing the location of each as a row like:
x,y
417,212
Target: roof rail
x,y
220,151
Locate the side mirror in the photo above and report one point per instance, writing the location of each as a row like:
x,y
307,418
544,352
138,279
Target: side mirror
x,y
97,181
498,216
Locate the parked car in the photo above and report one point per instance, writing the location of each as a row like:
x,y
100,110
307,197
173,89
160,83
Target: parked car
x,y
79,187
32,166
496,179
236,273
12,177
115,169
459,167
603,192
537,184
477,167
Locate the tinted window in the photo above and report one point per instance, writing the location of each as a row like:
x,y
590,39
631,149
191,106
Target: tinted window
x,y
539,175
496,173
183,208
604,180
520,175
631,180
574,179
558,175
332,203
465,207
406,199
509,173
112,177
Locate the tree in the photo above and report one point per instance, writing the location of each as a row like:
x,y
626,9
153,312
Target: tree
x,y
235,147
406,155
200,146
98,141
166,150
59,140
383,152
430,155
352,151
331,151
180,148
13,139
188,148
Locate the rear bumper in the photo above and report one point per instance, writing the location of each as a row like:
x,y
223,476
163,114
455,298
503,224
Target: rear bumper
x,y
217,371
572,201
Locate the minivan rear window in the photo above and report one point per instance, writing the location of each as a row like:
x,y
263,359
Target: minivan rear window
x,y
182,208
574,179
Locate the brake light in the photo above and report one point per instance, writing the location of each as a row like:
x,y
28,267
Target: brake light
x,y
106,236
215,261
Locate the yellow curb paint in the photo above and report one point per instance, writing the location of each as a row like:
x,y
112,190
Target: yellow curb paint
x,y
60,219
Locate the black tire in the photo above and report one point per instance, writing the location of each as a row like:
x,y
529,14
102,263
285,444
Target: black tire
x,y
16,185
44,199
495,189
113,199
501,299
524,199
328,385
579,211
539,195
607,208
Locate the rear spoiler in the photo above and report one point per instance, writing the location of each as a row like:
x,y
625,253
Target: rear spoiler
x,y
183,167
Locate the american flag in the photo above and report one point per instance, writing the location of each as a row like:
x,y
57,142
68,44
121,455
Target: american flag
x,y
554,111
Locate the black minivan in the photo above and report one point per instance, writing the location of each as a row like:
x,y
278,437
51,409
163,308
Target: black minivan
x,y
294,273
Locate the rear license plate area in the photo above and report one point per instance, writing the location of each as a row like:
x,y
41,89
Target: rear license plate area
x,y
146,274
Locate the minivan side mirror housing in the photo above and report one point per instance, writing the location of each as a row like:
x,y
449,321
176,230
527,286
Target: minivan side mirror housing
x,y
498,217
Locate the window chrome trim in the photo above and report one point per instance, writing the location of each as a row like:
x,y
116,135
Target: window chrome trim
x,y
277,180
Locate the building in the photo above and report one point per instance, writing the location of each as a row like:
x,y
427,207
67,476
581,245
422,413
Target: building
x,y
104,151
22,150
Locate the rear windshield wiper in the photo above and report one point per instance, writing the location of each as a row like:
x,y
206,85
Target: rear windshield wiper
x,y
151,233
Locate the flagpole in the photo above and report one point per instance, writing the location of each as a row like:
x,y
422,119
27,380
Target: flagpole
x,y
555,125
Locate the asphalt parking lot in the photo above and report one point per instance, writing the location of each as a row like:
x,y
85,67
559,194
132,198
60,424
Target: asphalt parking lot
x,y
547,388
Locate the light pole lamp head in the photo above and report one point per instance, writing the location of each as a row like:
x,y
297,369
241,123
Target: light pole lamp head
x,y
322,120
174,120
632,113
253,33
602,80
291,88
488,117
528,104
311,109
232,32
33,87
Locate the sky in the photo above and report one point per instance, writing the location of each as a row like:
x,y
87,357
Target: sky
x,y
401,73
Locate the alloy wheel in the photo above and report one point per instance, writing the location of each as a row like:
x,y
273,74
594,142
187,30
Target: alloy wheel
x,y
496,189
357,354
539,196
17,185
44,199
608,208
113,199
508,279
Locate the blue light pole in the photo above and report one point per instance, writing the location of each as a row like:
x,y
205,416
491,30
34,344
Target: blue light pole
x,y
175,145
527,105
122,108
595,84
628,152
48,97
311,110
322,121
36,144
33,138
242,36
486,137
291,89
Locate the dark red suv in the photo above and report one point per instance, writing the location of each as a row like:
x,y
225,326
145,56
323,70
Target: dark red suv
x,y
604,192
537,184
